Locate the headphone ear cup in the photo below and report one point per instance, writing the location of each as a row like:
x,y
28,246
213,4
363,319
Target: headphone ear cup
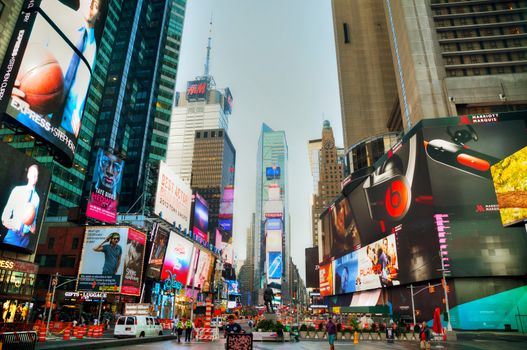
x,y
392,167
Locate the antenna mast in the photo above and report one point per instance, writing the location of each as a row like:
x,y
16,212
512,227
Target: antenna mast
x,y
207,61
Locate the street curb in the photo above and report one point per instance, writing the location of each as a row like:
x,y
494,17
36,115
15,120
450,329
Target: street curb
x,y
101,344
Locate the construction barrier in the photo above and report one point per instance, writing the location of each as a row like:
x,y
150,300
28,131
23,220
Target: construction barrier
x,y
207,334
208,313
67,334
18,340
42,334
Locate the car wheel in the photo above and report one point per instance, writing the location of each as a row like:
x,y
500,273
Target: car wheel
x,y
142,335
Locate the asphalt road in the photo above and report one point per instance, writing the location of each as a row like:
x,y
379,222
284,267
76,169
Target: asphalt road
x,y
317,345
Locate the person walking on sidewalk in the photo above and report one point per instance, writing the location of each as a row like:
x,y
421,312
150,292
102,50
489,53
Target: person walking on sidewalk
x,y
189,326
424,336
179,329
331,330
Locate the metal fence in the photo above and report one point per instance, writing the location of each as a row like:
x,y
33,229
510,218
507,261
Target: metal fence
x,y
18,340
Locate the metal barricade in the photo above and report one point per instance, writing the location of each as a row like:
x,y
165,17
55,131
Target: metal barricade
x,y
18,340
239,342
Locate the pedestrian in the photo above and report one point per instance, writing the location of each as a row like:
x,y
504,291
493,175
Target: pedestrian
x,y
331,330
424,336
189,326
179,328
232,327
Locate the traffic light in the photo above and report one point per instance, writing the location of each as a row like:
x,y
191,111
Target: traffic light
x,y
431,289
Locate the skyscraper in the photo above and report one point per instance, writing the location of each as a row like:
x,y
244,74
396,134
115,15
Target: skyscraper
x,y
368,90
271,228
213,173
138,90
330,175
128,104
201,107
8,16
403,61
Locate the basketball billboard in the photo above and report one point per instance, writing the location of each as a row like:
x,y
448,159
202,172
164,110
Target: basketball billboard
x,y
47,69
112,260
105,188
173,198
23,195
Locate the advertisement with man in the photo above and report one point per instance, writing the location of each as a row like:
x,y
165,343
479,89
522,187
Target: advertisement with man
x,y
105,188
48,68
177,259
344,232
23,194
157,254
173,198
133,263
112,257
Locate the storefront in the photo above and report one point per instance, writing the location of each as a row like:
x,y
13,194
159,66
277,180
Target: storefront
x,y
17,280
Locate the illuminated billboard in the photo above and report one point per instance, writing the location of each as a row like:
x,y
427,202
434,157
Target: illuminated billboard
x,y
201,217
274,270
48,67
112,260
159,247
201,270
105,188
273,224
197,90
326,279
173,198
227,101
272,172
177,259
23,194
510,183
433,193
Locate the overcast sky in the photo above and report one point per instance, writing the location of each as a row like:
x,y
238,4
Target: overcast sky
x,y
278,59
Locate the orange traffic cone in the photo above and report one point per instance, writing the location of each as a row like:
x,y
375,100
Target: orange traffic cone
x,y
42,334
67,334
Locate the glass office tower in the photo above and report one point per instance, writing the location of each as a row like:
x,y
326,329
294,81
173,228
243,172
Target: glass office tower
x,y
272,233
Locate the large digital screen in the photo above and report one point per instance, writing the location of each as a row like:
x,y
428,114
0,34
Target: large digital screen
x,y
226,224
326,279
105,187
272,172
23,194
201,217
112,260
227,102
273,224
177,259
48,67
202,270
344,232
274,265
197,90
173,198
312,277
510,183
159,247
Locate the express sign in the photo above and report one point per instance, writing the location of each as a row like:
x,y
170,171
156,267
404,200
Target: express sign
x,y
197,90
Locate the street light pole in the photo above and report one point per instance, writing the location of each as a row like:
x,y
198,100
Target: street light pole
x,y
413,304
445,287
55,286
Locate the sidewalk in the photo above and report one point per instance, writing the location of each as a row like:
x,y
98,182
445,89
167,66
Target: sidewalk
x,y
486,335
99,343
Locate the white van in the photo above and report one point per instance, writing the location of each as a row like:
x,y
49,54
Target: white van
x,y
137,326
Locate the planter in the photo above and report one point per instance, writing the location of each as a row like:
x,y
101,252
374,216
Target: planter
x,y
339,335
320,334
303,334
382,335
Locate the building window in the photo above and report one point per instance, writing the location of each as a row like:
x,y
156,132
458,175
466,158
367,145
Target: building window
x,y
346,33
198,135
67,261
205,134
51,242
48,261
75,243
213,134
220,133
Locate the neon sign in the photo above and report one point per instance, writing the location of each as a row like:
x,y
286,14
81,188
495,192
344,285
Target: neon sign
x,y
171,283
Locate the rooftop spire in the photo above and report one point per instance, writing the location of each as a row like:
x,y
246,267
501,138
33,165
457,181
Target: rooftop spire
x,y
207,61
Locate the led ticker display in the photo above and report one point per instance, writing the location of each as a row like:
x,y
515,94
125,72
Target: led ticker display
x,y
197,90
47,70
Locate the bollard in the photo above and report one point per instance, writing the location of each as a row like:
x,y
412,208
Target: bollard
x,y
67,334
356,338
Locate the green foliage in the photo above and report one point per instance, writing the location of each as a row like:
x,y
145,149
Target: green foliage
x,y
311,329
354,324
303,328
269,326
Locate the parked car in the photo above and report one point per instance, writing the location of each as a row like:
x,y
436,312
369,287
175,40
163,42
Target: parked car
x,y
216,322
137,326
